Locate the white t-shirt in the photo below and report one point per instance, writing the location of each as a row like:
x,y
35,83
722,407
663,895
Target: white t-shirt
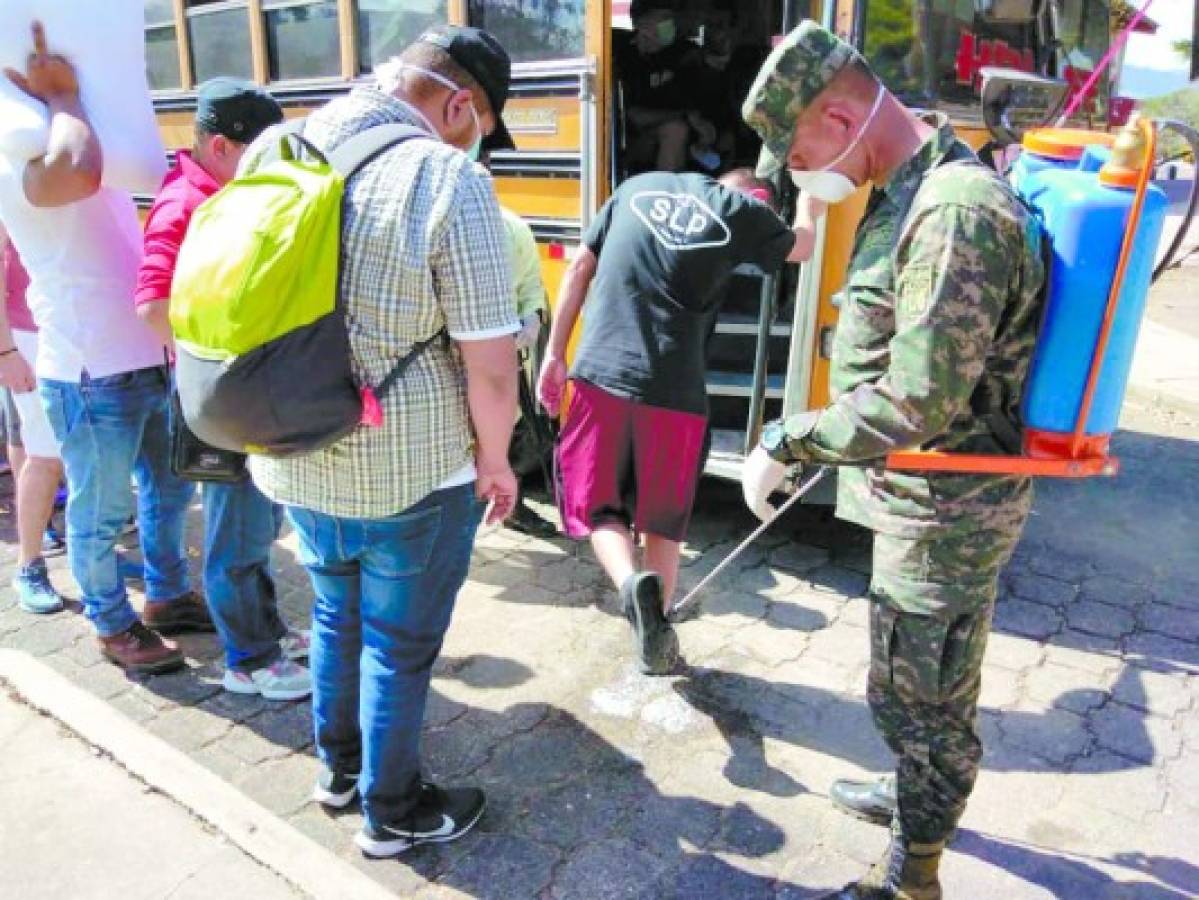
x,y
82,260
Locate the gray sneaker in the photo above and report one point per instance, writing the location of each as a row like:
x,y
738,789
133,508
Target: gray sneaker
x,y
655,642
35,594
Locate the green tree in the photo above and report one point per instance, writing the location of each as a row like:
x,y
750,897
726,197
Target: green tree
x,y
1182,106
1183,48
891,43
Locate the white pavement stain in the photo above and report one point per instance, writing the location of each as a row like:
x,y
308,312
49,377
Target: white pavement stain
x,y
652,700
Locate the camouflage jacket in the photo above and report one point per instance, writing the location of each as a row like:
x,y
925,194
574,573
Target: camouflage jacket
x,y
934,341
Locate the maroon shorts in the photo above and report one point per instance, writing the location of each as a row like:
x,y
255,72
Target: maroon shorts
x,y
624,462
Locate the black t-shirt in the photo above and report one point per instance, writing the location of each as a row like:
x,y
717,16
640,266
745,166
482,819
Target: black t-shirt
x,y
662,80
667,246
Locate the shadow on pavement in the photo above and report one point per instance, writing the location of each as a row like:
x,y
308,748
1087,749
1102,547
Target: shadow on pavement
x,y
747,710
1066,875
569,808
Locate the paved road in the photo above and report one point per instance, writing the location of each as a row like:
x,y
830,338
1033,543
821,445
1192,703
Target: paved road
x,y
711,784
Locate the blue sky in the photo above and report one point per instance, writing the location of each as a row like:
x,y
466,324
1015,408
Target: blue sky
x,y
1151,67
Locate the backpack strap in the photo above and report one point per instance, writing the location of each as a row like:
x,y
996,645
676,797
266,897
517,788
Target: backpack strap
x,y
349,156
347,159
355,152
383,387
985,402
287,142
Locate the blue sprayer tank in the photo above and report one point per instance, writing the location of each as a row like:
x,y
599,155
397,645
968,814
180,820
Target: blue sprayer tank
x,y
1053,149
1085,214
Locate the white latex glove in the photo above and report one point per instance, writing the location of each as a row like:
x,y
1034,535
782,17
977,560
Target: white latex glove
x,y
761,476
529,332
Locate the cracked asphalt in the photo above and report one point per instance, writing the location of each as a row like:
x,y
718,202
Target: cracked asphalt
x,y
711,784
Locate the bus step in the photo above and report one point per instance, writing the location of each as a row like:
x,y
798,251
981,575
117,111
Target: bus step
x,y
741,384
748,325
727,453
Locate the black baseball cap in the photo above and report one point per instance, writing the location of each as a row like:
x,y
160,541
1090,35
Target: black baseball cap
x,y
488,63
639,8
239,110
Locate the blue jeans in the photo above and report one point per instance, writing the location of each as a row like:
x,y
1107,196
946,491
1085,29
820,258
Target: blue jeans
x,y
240,525
113,428
385,590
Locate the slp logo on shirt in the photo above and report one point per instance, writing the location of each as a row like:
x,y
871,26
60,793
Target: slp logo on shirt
x,y
680,221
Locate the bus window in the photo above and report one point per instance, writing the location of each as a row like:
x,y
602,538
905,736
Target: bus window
x,y
930,52
385,27
302,39
220,39
162,46
533,30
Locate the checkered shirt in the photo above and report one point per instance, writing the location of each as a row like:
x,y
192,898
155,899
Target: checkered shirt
x,y
423,248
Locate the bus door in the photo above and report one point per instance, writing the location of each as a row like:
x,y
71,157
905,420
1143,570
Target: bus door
x,y
750,347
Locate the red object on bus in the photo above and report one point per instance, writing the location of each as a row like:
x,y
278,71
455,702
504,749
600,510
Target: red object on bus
x,y
1119,110
974,54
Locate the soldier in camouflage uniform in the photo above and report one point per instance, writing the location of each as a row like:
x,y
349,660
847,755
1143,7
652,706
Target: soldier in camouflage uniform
x,y
932,349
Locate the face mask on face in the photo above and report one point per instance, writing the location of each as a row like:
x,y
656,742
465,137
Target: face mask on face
x,y
667,32
474,149
825,184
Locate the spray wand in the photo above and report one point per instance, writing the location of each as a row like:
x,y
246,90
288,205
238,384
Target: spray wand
x,y
799,494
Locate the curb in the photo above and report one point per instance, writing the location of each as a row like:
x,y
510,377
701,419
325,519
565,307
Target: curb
x,y
305,864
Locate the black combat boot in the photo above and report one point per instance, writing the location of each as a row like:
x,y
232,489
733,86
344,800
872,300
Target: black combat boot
x,y
907,871
870,801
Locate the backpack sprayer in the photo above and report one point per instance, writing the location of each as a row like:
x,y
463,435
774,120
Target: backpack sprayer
x,y
1104,219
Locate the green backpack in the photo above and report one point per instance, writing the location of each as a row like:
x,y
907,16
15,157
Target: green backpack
x,y
263,362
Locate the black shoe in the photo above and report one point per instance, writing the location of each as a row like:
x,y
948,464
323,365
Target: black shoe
x,y
870,801
335,789
527,521
656,644
440,816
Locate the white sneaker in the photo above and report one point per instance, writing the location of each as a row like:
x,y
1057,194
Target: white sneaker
x,y
296,644
282,680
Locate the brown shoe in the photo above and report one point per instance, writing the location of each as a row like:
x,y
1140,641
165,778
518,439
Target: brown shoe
x,y
183,614
138,649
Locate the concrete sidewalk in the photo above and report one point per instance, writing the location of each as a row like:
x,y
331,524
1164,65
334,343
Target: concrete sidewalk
x,y
1166,366
76,824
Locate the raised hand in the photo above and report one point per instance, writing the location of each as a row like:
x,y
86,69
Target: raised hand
x,y
48,76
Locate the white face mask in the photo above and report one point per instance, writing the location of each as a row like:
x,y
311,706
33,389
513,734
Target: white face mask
x,y
823,183
475,148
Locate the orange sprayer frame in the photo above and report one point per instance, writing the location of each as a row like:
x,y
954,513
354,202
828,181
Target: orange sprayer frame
x,y
1073,465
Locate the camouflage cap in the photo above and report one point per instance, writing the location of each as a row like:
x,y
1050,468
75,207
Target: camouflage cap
x,y
797,70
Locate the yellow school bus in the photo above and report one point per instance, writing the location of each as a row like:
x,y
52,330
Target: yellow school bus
x,y
769,353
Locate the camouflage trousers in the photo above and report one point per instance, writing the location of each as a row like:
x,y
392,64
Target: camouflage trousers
x,y
933,600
